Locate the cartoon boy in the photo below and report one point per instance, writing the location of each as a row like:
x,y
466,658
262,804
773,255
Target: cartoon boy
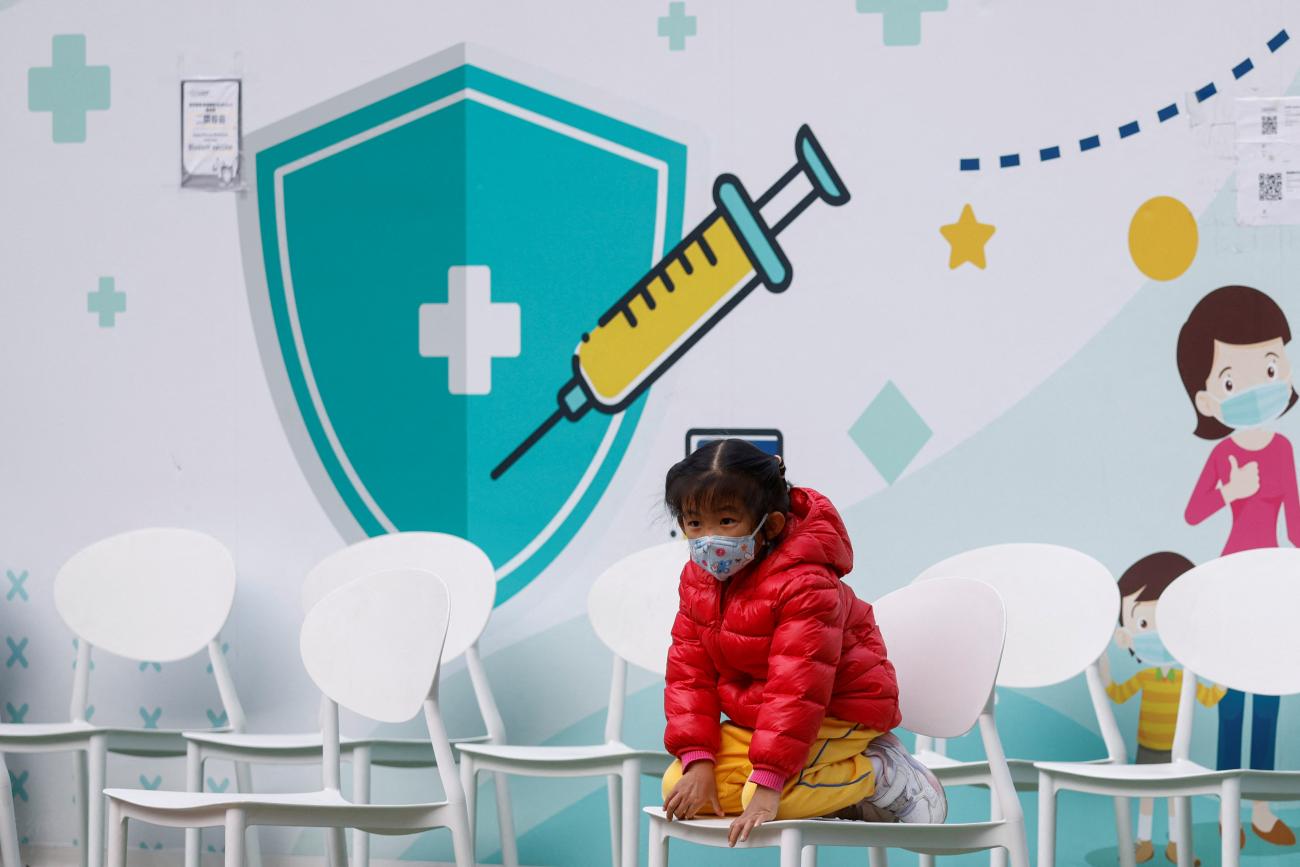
x,y
1233,362
1159,681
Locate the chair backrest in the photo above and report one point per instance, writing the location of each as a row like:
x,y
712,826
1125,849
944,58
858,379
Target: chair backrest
x,y
1233,621
633,604
1062,607
155,595
462,566
944,637
374,645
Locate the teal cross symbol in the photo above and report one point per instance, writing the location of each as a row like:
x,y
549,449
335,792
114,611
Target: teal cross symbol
x,y
217,719
107,302
902,18
16,714
16,583
17,784
214,786
151,785
68,88
677,25
150,719
16,649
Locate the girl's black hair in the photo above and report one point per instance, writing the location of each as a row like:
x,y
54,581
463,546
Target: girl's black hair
x,y
729,471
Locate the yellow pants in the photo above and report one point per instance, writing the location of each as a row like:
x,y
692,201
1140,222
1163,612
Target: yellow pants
x,y
837,773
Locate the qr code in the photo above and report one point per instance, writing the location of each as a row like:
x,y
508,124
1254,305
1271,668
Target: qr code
x,y
1270,186
1268,124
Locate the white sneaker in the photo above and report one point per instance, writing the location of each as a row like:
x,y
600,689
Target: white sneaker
x,y
905,788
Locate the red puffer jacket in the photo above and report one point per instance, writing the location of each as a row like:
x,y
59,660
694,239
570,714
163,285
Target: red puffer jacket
x,y
777,648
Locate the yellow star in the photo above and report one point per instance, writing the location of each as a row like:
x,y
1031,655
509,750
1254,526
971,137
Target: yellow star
x,y
967,237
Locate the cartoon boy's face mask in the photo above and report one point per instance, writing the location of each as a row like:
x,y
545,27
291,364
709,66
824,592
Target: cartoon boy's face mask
x,y
1148,649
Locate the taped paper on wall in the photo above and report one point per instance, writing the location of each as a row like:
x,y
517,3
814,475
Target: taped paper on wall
x,y
1268,161
210,133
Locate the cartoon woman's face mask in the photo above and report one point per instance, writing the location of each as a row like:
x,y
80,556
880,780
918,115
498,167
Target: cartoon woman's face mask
x,y
1256,407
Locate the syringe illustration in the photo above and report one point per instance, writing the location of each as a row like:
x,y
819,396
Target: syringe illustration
x,y
728,255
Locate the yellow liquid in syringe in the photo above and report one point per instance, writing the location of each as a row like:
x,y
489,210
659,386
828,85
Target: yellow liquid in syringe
x,y
652,322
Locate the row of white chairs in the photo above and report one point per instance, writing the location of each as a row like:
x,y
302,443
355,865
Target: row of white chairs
x,y
1055,598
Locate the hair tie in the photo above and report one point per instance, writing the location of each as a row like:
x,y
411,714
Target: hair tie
x,y
780,465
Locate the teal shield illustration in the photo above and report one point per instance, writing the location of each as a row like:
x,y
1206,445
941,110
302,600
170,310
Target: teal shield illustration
x,y
423,255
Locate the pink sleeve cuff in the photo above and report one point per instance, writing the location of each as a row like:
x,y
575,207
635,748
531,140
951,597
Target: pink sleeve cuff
x,y
690,756
767,779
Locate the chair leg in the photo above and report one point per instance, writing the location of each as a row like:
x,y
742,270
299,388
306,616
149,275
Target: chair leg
x,y
236,834
253,846
808,858
506,821
1230,821
1017,849
462,841
791,847
83,805
615,789
1046,821
469,782
923,860
97,764
360,795
9,852
658,845
997,855
1124,833
193,783
336,847
631,813
1186,855
116,836
877,857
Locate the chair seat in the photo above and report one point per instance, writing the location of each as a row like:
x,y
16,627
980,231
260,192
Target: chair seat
x,y
1153,773
47,730
950,771
386,752
563,760
249,741
948,838
324,808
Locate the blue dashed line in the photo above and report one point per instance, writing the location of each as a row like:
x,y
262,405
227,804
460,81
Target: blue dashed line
x,y
1007,161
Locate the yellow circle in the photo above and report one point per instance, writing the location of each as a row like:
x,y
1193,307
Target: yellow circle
x,y
1162,238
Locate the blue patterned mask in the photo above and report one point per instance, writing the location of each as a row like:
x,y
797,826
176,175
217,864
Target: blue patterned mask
x,y
724,556
1256,406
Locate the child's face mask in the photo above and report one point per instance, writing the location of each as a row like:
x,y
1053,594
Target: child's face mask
x,y
724,556
1148,649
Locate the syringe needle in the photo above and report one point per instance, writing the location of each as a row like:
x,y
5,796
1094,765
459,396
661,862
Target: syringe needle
x,y
527,444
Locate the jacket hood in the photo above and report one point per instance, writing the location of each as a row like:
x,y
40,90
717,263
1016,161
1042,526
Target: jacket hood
x,y
814,534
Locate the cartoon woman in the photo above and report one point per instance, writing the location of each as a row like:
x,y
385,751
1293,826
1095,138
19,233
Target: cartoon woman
x,y
1233,363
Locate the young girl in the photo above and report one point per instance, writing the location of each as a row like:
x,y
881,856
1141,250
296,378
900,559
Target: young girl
x,y
769,635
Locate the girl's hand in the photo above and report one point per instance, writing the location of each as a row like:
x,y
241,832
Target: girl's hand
x,y
696,790
762,808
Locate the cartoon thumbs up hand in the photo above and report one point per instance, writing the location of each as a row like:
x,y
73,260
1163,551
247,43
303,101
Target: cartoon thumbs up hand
x,y
1242,481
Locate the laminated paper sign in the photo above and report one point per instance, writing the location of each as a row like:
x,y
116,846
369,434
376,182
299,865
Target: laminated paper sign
x,y
1268,161
210,133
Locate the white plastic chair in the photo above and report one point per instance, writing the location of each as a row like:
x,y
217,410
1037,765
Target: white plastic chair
x,y
372,646
1061,612
944,637
470,580
156,595
632,606
1230,621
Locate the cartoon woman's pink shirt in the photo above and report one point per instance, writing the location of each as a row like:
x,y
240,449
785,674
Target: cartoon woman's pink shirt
x,y
1254,518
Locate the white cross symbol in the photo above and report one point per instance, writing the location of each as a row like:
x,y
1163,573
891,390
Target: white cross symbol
x,y
469,330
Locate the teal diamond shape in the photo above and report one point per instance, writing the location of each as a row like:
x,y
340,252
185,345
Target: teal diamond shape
x,y
890,432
